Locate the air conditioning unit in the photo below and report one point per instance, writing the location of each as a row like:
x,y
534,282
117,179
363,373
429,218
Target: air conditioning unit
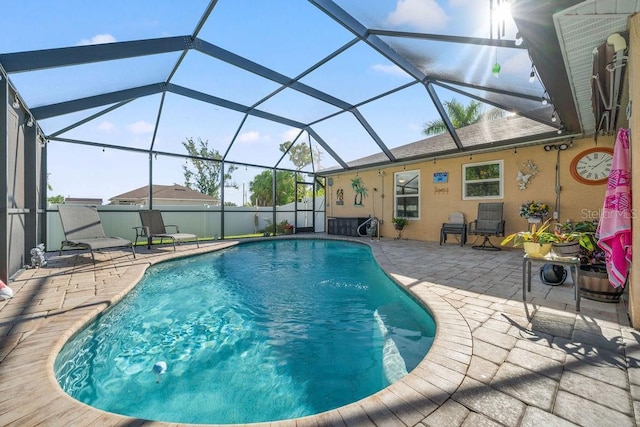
x,y
609,61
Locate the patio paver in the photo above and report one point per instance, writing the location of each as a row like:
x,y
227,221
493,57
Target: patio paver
x,y
496,360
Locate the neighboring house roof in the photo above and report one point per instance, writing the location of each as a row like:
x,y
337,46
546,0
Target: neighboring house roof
x,y
82,201
163,192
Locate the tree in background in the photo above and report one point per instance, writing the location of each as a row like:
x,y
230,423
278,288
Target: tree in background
x,y
461,116
261,186
206,177
53,200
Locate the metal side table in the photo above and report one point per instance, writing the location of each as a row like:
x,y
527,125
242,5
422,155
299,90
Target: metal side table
x,y
572,262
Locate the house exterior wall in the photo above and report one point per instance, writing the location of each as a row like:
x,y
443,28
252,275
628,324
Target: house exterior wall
x,y
578,202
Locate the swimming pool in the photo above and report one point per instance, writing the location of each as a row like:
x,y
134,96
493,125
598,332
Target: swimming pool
x,y
264,331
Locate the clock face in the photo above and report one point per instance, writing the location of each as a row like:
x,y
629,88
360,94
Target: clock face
x,y
592,166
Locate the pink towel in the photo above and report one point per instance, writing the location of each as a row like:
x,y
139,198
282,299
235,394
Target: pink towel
x,y
614,229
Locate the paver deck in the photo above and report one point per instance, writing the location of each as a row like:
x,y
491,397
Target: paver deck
x,y
496,360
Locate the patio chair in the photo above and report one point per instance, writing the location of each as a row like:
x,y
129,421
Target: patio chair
x,y
83,230
153,227
456,226
488,223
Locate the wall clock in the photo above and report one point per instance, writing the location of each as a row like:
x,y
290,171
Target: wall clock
x,y
592,166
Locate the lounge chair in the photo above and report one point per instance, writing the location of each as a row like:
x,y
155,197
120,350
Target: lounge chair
x,y
83,230
489,222
153,227
456,225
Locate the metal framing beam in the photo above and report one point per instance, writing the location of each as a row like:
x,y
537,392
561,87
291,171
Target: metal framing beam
x,y
4,180
66,56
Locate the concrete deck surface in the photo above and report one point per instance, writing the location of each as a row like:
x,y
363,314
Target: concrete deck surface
x,y
496,360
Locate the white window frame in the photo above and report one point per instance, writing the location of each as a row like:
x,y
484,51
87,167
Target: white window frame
x,y
500,180
397,196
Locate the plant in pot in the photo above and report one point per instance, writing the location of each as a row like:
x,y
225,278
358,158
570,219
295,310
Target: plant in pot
x,y
570,237
534,211
400,223
536,242
594,280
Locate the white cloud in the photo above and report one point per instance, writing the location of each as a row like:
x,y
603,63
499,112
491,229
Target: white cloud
x,y
390,69
106,126
423,15
249,136
291,134
98,39
141,127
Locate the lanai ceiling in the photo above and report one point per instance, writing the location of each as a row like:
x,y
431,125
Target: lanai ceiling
x,y
357,80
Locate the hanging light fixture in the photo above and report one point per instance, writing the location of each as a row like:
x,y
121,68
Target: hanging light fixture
x,y
30,121
532,75
519,40
554,116
16,102
544,99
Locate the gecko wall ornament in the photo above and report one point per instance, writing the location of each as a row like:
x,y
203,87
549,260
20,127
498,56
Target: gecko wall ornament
x,y
525,173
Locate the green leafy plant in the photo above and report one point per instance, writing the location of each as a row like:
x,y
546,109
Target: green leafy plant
x,y
534,209
400,222
535,235
581,232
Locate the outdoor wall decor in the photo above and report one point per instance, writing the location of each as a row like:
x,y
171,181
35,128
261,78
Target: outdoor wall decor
x,y
441,190
440,177
525,173
361,191
340,197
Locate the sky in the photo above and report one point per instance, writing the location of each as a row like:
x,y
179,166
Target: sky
x,y
286,36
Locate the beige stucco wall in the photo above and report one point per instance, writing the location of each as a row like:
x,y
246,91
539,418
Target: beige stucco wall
x,y
578,202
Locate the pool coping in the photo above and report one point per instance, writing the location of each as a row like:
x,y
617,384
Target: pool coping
x,y
39,398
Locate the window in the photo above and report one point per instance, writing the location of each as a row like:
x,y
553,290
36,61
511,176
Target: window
x,y
407,194
482,180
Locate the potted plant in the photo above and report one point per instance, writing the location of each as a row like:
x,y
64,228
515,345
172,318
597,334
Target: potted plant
x,y
286,227
594,280
400,223
570,237
536,242
534,211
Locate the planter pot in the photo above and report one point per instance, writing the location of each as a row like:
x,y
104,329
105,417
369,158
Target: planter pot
x,y
534,220
288,231
537,250
398,226
594,285
566,249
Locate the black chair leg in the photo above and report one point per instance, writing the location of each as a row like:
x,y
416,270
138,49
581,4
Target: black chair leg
x,y
486,245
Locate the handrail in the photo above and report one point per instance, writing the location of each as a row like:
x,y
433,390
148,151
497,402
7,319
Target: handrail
x,y
376,225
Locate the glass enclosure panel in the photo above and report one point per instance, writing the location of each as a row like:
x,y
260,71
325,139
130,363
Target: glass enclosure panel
x,y
357,74
50,86
297,106
259,142
346,136
62,19
297,29
184,118
226,81
130,125
102,174
459,18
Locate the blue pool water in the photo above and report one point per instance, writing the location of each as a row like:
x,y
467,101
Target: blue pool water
x,y
263,331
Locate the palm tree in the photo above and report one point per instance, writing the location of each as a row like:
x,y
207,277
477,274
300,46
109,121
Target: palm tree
x,y
461,116
358,186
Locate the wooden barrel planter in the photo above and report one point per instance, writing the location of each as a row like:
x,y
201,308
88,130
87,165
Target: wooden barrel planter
x,y
568,249
594,284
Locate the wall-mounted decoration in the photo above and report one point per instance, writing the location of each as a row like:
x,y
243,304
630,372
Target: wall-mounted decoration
x,y
441,190
340,196
358,186
525,173
440,177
